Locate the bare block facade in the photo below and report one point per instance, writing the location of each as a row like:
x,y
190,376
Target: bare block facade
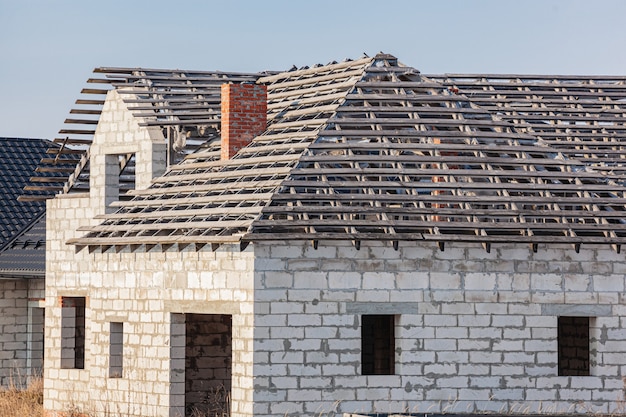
x,y
388,242
472,331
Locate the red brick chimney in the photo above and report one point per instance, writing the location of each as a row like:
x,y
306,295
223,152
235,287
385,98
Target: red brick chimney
x,y
244,115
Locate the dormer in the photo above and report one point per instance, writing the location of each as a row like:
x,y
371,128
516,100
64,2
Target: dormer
x,y
123,151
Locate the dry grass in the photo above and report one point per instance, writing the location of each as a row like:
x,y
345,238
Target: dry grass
x,y
17,401
215,404
26,400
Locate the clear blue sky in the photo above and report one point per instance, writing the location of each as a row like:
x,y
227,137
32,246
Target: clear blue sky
x,y
49,48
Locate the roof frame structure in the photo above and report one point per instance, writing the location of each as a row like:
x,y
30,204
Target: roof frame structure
x,y
374,150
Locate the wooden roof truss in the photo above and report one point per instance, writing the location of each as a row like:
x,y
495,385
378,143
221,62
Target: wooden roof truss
x,y
184,104
410,157
374,150
206,200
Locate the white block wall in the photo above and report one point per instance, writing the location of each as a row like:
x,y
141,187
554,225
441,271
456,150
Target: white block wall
x,y
141,290
471,336
148,292
475,331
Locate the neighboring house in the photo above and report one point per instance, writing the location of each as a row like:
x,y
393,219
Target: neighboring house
x,y
22,263
348,238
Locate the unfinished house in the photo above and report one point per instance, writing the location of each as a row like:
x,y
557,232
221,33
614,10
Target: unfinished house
x,y
355,237
22,263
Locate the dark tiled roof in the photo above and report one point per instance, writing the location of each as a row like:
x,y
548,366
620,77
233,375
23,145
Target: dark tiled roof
x,y
25,256
18,159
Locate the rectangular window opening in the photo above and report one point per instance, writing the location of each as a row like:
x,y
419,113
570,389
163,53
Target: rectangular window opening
x,y
73,332
119,178
378,344
116,350
573,344
35,351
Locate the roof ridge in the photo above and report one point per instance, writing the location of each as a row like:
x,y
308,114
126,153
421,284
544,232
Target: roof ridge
x,y
314,70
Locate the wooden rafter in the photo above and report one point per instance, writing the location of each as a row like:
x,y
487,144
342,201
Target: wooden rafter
x,y
372,149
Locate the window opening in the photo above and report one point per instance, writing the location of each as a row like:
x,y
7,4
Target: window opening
x,y
73,332
35,341
120,177
573,345
116,350
377,344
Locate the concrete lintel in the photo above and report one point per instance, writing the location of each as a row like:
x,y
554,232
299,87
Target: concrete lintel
x,y
382,308
73,293
576,310
117,317
202,307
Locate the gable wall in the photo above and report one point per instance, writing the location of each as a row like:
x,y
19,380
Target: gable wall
x,y
475,331
119,133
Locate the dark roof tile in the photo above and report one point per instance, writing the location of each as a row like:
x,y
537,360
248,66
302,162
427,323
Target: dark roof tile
x,y
22,223
18,159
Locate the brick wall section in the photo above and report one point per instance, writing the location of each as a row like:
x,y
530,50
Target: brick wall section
x,y
244,116
475,331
